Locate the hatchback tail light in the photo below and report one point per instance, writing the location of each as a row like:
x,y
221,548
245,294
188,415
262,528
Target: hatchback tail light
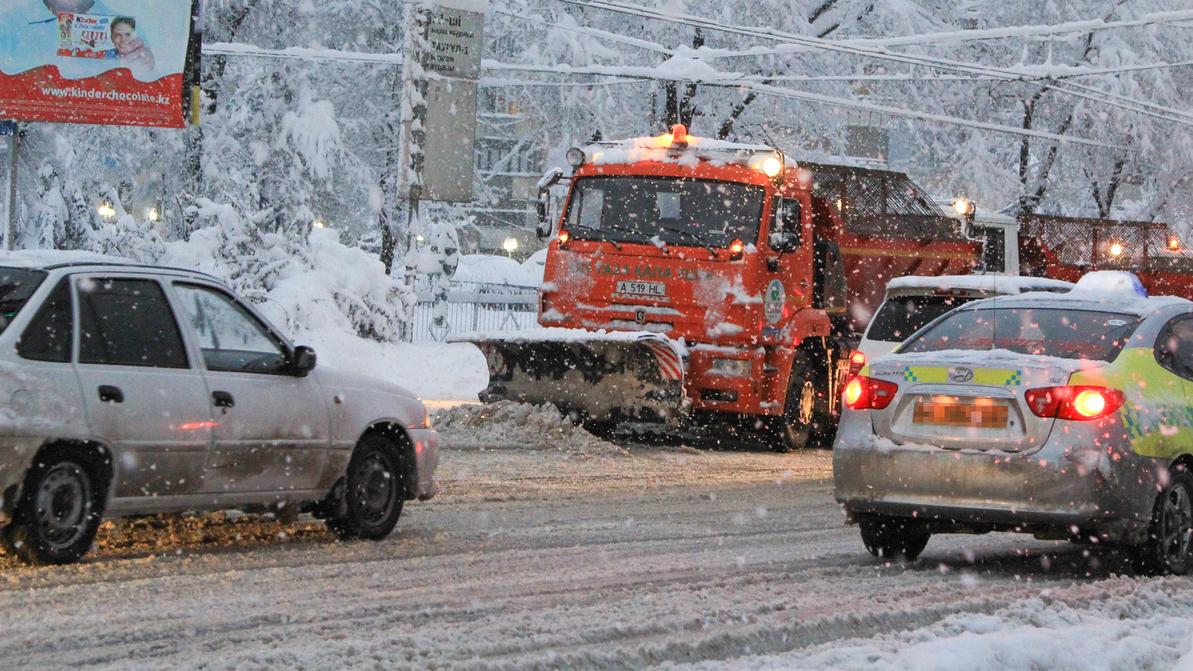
x,y
866,393
1074,402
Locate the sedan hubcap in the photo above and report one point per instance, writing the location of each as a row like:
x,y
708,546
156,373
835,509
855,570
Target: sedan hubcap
x,y
1177,526
376,488
63,505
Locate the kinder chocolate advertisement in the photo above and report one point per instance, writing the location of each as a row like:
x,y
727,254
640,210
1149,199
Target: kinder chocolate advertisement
x,y
112,62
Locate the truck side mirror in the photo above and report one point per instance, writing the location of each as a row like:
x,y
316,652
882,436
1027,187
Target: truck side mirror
x,y
785,230
543,229
543,204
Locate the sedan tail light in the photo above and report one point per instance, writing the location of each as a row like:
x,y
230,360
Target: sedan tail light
x,y
857,361
866,393
1074,402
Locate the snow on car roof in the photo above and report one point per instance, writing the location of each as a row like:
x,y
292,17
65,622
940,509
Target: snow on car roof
x,y
45,258
992,284
1137,306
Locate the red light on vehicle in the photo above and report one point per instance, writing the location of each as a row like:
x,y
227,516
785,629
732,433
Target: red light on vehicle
x,y
736,249
679,135
866,393
1077,403
563,238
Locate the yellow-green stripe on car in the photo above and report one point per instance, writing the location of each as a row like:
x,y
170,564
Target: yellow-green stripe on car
x,y
1157,415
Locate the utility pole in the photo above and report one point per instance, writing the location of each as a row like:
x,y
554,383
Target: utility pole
x,y
13,132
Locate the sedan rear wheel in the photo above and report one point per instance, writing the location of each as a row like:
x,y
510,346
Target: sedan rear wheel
x,y
1169,545
59,513
374,491
894,538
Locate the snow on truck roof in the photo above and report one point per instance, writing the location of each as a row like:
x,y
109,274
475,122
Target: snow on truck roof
x,y
985,284
680,148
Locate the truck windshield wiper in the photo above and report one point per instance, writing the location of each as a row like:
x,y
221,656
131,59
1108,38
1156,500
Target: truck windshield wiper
x,y
699,241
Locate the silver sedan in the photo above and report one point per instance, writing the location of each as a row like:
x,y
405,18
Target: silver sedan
x,y
135,390
1065,416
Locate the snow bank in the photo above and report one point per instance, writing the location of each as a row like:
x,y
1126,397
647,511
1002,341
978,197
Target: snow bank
x,y
510,425
1147,628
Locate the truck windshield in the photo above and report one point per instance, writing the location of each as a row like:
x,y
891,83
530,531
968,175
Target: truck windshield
x,y
1064,333
16,286
668,210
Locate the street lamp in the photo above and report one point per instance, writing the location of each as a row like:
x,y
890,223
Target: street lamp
x,y
152,214
510,245
106,211
964,207
318,223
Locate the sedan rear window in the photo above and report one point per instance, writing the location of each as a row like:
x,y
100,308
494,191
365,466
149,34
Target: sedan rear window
x,y
899,317
16,286
1068,334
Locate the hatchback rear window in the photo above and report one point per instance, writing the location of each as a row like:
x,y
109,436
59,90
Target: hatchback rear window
x,y
1068,334
899,317
16,286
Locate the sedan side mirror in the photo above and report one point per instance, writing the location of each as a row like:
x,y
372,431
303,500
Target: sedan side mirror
x,y
303,361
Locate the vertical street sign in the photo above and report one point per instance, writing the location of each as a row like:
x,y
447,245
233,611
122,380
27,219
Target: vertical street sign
x,y
445,39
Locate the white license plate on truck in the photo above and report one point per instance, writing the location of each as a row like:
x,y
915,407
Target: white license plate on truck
x,y
648,289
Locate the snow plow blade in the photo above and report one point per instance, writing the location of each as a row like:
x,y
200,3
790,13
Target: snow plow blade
x,y
602,378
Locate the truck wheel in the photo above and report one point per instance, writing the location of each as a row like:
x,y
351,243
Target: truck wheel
x,y
374,491
803,410
59,512
1170,535
893,537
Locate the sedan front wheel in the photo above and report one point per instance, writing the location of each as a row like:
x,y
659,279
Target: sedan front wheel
x,y
374,491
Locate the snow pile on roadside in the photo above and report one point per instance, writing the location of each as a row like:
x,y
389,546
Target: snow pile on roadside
x,y
1149,627
510,425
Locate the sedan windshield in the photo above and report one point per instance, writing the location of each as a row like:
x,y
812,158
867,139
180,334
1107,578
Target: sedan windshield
x,y
1068,334
666,210
16,286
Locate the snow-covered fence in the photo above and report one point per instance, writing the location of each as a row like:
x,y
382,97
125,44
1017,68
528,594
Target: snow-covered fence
x,y
477,306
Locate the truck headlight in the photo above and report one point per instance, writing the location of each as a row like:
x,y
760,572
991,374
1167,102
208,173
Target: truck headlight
x,y
731,367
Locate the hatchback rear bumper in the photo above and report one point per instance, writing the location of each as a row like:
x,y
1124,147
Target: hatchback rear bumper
x,y
1107,490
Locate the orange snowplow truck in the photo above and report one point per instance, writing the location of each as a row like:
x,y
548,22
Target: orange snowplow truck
x,y
690,280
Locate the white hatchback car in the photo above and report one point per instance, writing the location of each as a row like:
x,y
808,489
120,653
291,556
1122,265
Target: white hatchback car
x,y
131,389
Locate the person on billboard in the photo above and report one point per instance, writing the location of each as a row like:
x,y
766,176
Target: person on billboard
x,y
130,49
30,32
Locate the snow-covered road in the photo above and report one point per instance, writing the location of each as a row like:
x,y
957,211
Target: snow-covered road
x,y
659,556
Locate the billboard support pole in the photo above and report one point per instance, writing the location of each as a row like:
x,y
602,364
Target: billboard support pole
x,y
10,223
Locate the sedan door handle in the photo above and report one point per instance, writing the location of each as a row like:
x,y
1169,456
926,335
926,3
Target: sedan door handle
x,y
222,399
110,394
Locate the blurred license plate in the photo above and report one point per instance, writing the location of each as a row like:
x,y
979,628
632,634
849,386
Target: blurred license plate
x,y
981,413
632,288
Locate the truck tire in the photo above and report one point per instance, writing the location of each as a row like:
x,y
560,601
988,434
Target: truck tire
x,y
893,538
1167,549
374,491
59,512
804,408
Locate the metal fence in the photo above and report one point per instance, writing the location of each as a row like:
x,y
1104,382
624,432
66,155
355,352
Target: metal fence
x,y
476,306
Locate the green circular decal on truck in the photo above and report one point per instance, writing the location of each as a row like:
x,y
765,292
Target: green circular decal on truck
x,y
773,301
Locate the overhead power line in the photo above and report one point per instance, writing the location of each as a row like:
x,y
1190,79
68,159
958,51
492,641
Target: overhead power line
x,y
792,94
1089,93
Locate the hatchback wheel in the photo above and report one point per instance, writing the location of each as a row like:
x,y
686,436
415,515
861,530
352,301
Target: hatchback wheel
x,y
1169,545
59,512
893,537
374,491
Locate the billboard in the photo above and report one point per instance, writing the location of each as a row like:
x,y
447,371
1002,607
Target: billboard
x,y
113,62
